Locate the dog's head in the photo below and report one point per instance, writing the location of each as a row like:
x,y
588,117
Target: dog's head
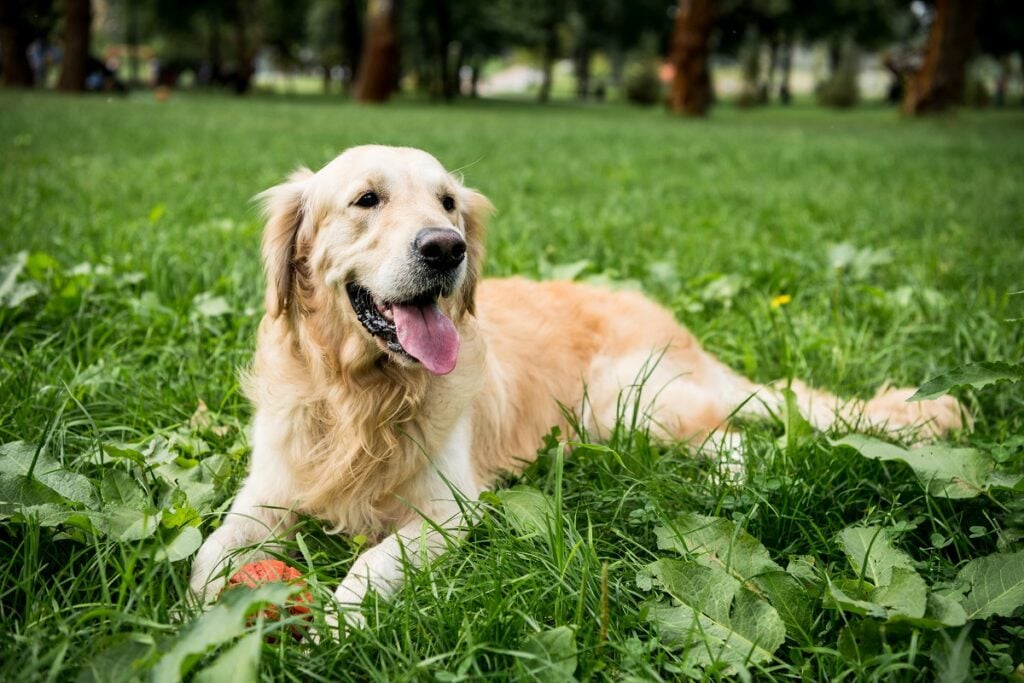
x,y
385,242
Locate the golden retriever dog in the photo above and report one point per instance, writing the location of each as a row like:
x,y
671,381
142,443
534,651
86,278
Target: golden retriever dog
x,y
390,382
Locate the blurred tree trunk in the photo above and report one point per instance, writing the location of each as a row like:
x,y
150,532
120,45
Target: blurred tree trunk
x,y
774,50
581,64
246,45
474,78
213,53
583,72
939,83
617,57
378,66
691,85
132,41
785,68
77,18
352,41
448,80
15,39
549,52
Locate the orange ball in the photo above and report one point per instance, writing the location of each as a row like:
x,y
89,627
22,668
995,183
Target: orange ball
x,y
260,572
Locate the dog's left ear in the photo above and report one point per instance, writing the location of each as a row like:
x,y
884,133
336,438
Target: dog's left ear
x,y
283,206
476,210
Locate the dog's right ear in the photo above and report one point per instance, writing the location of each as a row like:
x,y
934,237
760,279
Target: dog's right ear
x,y
284,208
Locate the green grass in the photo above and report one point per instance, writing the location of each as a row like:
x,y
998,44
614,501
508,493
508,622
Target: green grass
x,y
712,218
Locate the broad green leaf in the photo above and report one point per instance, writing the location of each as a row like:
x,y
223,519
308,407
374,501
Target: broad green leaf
x,y
180,547
206,305
852,596
940,613
790,598
124,453
16,465
717,543
54,514
238,664
862,640
943,471
610,281
18,493
528,510
121,657
996,585
801,567
976,375
120,488
225,621
905,595
562,271
554,655
797,429
126,524
198,481
943,611
713,619
859,262
871,553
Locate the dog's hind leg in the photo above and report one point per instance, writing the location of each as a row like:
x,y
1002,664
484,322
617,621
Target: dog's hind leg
x,y
888,410
691,395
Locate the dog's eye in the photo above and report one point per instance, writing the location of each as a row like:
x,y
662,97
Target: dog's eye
x,y
368,200
448,203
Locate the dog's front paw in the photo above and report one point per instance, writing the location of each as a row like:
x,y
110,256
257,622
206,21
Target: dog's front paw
x,y
930,419
204,591
209,572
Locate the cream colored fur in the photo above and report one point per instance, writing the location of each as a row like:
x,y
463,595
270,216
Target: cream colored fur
x,y
373,444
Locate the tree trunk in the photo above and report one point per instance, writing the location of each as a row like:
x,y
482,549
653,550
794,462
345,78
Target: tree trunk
x,y
617,57
449,81
132,41
785,67
474,79
77,20
691,84
939,83
548,54
773,64
15,40
581,61
352,42
246,46
583,71
378,66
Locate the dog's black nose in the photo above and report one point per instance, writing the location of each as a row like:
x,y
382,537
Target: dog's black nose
x,y
440,248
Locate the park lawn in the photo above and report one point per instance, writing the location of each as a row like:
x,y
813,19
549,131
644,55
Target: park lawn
x,y
130,294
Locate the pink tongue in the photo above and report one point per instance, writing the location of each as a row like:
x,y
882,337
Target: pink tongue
x,y
427,335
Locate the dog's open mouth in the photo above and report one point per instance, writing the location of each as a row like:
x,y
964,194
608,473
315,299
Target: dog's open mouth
x,y
415,329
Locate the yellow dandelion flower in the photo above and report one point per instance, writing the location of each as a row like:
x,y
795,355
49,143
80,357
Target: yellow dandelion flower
x,y
781,300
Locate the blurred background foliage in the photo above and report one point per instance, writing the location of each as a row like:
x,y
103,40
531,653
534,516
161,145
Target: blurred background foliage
x,y
925,56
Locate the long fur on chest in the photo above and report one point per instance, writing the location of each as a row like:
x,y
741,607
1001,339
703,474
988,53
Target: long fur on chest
x,y
358,437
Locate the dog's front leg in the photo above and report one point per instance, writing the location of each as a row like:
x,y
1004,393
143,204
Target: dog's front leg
x,y
439,518
382,567
259,514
